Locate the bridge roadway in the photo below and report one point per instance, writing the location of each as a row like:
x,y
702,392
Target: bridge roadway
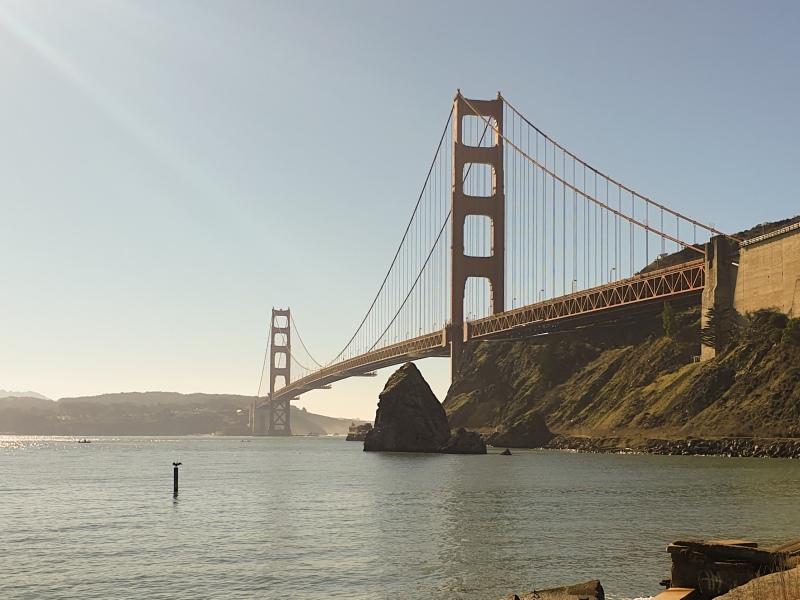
x,y
682,281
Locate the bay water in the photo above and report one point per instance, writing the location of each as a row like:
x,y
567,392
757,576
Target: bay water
x,y
316,517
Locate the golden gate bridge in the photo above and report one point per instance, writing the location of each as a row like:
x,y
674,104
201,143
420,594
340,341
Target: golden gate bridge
x,y
511,234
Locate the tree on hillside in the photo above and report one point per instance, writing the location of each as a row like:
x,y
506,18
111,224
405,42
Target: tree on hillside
x,y
720,328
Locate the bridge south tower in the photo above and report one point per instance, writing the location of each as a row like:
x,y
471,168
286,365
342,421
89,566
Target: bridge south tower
x,y
470,156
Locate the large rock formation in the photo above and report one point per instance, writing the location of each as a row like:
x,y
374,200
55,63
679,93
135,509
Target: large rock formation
x,y
409,417
464,442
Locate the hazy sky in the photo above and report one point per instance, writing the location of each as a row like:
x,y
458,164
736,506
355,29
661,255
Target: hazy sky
x,y
172,170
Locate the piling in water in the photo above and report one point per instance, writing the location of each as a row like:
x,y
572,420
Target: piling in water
x,y
175,478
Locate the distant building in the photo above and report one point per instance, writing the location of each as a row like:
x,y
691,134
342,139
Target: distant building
x,y
357,433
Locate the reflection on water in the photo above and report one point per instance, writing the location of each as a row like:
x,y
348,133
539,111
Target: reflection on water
x,y
313,517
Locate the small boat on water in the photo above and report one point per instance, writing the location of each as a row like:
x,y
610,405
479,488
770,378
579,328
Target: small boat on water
x,y
84,441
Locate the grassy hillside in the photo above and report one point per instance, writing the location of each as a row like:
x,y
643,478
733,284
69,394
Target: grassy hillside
x,y
637,382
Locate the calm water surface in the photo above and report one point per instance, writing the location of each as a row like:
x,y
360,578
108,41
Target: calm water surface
x,y
319,518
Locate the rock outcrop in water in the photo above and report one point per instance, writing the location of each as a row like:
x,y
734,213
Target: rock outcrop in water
x,y
529,432
464,442
409,417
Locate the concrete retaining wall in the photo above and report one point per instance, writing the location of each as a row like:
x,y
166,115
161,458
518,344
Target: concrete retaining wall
x,y
769,275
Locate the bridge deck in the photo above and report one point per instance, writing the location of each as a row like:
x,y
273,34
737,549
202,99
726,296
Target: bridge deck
x,y
425,346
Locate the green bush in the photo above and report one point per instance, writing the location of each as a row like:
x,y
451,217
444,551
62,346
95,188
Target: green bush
x,y
791,333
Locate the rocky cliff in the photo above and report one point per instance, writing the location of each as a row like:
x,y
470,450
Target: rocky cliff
x,y
636,380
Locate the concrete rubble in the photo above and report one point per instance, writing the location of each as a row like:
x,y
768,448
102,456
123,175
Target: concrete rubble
x,y
703,570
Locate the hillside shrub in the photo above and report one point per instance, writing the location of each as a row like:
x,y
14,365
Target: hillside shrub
x,y
668,320
791,333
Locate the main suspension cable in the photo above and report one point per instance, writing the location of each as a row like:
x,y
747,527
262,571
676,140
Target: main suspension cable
x,y
606,207
610,179
296,332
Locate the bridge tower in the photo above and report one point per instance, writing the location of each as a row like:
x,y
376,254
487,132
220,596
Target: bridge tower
x,y
491,206
280,344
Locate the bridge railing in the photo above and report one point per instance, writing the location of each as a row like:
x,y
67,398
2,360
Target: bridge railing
x,y
663,283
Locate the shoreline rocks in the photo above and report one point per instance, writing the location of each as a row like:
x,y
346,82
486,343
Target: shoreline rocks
x,y
464,442
730,447
529,432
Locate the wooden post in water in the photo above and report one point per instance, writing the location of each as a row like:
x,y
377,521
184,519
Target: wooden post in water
x,y
175,478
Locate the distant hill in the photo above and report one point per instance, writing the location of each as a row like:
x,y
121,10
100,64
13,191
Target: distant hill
x,y
148,398
8,394
148,413
25,402
303,423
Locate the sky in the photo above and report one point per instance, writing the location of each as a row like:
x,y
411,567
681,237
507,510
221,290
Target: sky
x,y
171,171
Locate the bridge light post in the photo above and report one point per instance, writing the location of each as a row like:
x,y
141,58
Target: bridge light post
x,y
541,295
610,279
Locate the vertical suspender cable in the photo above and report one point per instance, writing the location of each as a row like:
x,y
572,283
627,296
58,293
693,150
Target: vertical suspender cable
x,y
553,238
563,225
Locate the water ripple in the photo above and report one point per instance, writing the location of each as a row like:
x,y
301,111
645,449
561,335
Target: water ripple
x,y
301,517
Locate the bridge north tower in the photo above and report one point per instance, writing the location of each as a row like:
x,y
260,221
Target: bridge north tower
x,y
280,357
488,201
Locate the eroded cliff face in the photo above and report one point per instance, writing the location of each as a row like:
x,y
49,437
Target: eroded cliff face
x,y
633,380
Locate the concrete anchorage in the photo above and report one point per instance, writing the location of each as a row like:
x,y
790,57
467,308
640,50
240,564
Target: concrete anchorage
x,y
721,268
490,267
762,273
